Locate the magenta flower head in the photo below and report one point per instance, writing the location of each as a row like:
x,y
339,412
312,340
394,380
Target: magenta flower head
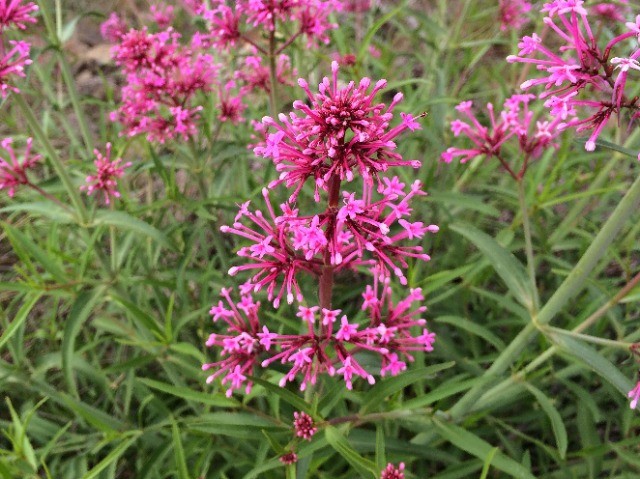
x,y
578,73
513,14
13,172
113,28
342,136
164,79
289,458
304,425
12,63
15,12
342,133
393,472
228,25
106,178
515,122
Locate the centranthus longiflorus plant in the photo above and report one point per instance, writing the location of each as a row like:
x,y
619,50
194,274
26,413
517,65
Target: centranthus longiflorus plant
x,y
319,239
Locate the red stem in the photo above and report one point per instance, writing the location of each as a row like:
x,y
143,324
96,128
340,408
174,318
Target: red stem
x,y
326,278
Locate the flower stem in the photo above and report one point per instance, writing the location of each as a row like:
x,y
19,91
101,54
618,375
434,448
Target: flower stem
x,y
273,74
48,196
531,268
325,290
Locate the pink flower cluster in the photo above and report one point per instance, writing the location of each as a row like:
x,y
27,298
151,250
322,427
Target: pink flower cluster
x,y
513,14
393,472
13,172
342,134
15,57
516,121
231,22
163,80
328,346
304,426
107,174
579,72
168,77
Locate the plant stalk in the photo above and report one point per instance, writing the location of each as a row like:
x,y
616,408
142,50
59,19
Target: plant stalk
x,y
526,225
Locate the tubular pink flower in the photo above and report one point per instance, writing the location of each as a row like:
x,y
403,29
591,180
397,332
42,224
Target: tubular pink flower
x,y
256,76
106,178
13,172
242,346
14,12
580,67
514,121
12,64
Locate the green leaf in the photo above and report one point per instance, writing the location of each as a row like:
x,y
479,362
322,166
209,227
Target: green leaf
x,y
446,390
101,420
78,314
47,209
233,424
481,449
123,220
591,358
21,316
341,445
559,430
178,450
381,458
375,27
190,395
22,242
506,265
388,386
473,328
112,457
467,202
487,463
612,146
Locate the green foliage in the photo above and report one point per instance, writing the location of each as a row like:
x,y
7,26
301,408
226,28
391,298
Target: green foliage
x,y
103,310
